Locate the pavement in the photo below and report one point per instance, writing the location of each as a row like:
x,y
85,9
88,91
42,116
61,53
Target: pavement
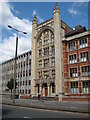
x,y
70,106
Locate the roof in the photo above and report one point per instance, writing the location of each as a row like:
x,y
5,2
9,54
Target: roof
x,y
76,31
51,20
17,57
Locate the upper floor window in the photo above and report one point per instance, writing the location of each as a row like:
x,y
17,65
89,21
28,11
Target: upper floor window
x,y
46,38
53,49
53,61
40,53
46,63
46,74
40,43
85,70
72,46
40,64
46,51
73,72
83,43
53,73
72,59
40,75
84,56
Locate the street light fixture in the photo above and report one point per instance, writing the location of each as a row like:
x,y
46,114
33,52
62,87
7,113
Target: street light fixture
x,y
15,58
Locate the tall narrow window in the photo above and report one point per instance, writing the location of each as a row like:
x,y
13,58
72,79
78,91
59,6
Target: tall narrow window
x,y
83,43
73,72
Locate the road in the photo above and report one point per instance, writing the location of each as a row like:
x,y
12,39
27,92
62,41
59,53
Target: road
x,y
24,112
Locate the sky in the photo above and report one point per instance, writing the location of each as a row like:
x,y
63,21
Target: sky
x,y
20,16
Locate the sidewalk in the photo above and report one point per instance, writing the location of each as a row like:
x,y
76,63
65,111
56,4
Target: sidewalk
x,y
80,107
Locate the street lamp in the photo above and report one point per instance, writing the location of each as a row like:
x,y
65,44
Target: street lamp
x,y
15,58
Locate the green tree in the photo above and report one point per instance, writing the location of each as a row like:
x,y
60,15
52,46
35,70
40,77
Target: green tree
x,y
10,85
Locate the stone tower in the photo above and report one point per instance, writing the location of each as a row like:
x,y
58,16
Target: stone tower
x,y
34,56
59,79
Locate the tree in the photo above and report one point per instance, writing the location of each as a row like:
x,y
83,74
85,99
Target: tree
x,y
10,85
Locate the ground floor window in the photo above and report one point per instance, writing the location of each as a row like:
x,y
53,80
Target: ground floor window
x,y
74,87
86,87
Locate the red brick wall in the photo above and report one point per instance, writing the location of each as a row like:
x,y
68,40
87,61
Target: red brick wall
x,y
67,66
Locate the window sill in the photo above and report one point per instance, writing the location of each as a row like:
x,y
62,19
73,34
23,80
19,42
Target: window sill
x,y
73,63
83,47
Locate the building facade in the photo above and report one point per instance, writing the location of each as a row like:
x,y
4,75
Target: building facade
x,y
23,74
47,71
76,51
59,63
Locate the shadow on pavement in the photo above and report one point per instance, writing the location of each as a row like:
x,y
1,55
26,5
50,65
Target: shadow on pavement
x,y
5,112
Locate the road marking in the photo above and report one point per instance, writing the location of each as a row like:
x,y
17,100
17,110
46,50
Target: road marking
x,y
26,117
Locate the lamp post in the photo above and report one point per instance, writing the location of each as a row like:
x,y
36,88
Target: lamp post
x,y
17,31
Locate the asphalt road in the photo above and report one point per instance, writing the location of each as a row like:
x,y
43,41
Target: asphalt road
x,y
24,112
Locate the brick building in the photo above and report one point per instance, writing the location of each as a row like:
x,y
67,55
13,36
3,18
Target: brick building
x,y
76,52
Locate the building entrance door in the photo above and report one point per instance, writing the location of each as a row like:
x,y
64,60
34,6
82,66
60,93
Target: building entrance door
x,y
46,92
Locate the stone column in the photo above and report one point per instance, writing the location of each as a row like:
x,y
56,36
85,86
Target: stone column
x,y
51,89
59,79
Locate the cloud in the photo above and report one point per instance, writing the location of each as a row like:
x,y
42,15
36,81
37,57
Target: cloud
x,y
38,17
74,9
7,48
7,45
73,12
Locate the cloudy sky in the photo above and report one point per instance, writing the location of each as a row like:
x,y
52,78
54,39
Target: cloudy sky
x,y
20,16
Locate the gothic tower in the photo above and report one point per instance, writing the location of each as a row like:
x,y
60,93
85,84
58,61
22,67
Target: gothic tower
x,y
34,56
59,79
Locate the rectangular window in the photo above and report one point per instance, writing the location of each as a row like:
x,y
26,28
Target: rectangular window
x,y
46,63
53,74
23,82
40,64
72,46
46,38
29,82
84,57
46,74
86,87
83,43
40,43
29,91
73,72
46,52
85,71
53,49
40,75
72,59
23,73
74,87
29,72
40,53
53,61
